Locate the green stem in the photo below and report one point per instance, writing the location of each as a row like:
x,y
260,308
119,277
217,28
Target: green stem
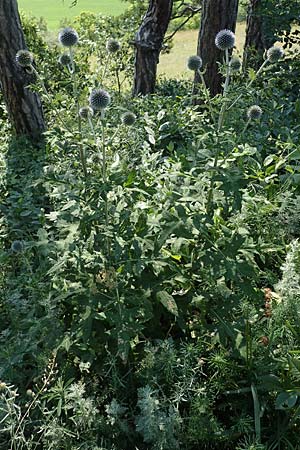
x,y
219,127
41,81
225,91
206,93
104,176
249,84
75,89
245,127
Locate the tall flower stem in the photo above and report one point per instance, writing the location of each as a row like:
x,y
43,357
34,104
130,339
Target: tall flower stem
x,y
104,176
246,126
72,71
47,95
207,96
225,91
249,84
219,127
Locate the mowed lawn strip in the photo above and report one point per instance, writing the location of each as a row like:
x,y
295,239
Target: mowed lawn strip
x,y
54,11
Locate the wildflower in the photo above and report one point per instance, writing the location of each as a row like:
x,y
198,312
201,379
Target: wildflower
x,y
24,58
194,63
128,118
112,45
85,112
254,112
235,64
17,246
225,40
68,37
274,54
99,99
64,60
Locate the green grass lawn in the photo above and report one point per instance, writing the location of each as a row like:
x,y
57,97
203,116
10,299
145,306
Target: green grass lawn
x,y
173,64
56,10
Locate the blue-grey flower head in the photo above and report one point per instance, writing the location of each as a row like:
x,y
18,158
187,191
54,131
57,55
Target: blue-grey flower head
x,y
85,112
99,99
235,64
65,59
274,54
112,45
225,40
17,246
194,63
128,118
24,58
68,37
254,112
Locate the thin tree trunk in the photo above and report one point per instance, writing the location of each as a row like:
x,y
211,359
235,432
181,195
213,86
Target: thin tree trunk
x,y
23,106
216,15
148,43
256,41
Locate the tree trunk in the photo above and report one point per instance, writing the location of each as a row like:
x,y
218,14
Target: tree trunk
x,y
216,15
257,40
23,106
148,43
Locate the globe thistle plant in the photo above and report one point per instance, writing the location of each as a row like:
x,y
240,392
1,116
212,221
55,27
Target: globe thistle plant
x,y
68,37
112,45
235,64
65,60
85,112
99,99
194,63
24,58
225,40
274,54
17,246
128,118
254,112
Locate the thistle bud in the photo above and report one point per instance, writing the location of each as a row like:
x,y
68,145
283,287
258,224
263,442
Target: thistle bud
x,y
194,63
254,112
274,54
225,40
112,45
64,60
128,118
68,37
99,99
17,246
85,112
24,58
235,64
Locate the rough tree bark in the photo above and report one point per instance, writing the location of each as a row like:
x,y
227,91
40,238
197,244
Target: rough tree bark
x,y
23,106
148,44
256,41
216,15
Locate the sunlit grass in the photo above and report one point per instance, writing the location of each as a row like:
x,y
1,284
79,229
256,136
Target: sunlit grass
x,y
56,10
185,45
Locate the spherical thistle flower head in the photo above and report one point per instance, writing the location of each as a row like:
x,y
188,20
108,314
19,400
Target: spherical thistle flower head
x,y
64,60
194,63
85,112
254,112
274,54
128,118
17,246
24,58
99,99
112,45
68,37
235,64
225,40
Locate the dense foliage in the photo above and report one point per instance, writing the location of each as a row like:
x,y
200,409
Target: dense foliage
x,y
150,271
